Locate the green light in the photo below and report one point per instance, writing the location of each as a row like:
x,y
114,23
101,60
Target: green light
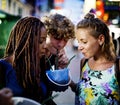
x,y
2,15
0,21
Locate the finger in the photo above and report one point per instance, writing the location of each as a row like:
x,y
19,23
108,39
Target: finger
x,y
62,52
63,60
9,94
6,92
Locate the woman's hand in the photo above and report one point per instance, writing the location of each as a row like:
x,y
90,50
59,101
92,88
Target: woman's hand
x,y
6,97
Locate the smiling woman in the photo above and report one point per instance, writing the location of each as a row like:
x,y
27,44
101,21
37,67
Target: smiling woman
x,y
99,81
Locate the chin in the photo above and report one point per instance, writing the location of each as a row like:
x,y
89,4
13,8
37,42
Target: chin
x,y
86,56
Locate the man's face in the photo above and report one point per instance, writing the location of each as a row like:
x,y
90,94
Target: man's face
x,y
57,44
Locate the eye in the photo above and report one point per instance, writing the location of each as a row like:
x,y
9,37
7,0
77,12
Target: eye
x,y
84,42
42,40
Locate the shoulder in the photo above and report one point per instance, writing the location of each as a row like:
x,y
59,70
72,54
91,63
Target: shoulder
x,y
83,61
5,65
1,63
4,62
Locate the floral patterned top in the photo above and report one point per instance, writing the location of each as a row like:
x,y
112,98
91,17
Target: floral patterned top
x,y
98,87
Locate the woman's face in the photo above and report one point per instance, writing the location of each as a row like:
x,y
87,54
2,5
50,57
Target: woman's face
x,y
42,44
56,44
88,45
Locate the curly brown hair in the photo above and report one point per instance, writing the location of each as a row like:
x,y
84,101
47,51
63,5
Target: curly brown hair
x,y
59,26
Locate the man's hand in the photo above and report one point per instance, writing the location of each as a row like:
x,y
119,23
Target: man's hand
x,y
62,59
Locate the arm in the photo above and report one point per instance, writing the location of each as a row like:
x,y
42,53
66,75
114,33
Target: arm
x,y
73,86
6,97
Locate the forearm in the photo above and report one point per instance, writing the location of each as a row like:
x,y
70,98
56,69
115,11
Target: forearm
x,y
73,86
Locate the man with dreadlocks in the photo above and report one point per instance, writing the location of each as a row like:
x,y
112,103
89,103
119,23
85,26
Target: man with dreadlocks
x,y
21,63
59,29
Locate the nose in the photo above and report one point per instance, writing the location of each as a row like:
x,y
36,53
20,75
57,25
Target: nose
x,y
44,45
61,43
80,47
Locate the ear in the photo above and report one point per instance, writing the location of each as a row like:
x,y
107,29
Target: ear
x,y
101,39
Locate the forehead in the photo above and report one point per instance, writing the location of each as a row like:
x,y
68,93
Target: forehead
x,y
43,32
59,39
84,34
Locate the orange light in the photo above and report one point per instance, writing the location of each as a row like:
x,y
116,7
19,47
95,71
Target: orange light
x,y
58,4
56,1
99,4
99,9
105,17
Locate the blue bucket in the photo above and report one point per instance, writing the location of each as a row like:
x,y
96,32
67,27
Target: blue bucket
x,y
58,80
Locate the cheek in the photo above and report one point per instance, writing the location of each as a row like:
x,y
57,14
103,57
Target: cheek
x,y
63,43
41,49
53,41
93,48
40,46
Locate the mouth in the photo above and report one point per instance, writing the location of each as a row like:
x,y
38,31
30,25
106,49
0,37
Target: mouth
x,y
56,50
83,53
42,54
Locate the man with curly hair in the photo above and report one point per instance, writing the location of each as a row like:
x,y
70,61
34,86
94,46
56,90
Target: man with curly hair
x,y
59,29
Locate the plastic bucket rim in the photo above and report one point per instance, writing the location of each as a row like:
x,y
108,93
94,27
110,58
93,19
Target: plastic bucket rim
x,y
58,83
24,98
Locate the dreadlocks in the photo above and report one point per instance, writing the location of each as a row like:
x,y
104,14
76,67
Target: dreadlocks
x,y
23,43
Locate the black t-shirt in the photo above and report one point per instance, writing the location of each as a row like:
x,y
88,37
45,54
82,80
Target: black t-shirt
x,y
45,65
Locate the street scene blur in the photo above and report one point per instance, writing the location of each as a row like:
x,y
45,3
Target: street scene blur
x,y
13,10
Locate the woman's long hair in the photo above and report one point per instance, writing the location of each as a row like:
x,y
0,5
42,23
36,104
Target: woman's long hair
x,y
24,43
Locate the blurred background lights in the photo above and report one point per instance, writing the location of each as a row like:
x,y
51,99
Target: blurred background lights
x,y
2,15
0,21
